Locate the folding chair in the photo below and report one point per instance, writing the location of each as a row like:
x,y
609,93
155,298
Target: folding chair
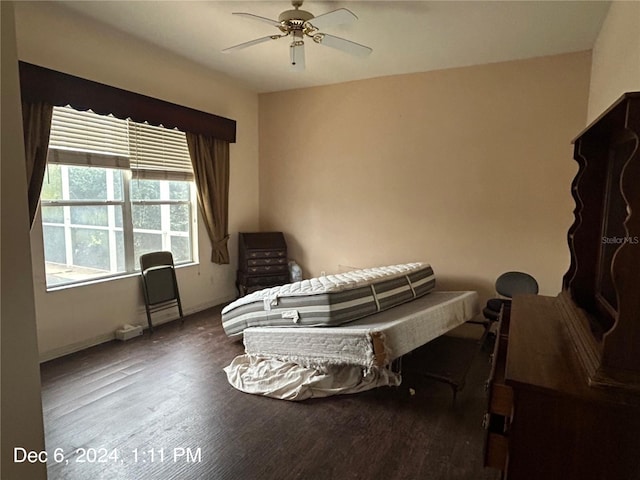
x,y
159,283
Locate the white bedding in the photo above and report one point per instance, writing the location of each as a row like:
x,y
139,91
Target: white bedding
x,y
290,381
305,362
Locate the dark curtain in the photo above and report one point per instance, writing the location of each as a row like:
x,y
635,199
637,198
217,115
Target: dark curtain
x,y
36,120
210,159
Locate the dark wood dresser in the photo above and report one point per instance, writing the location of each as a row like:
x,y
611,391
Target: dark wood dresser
x,y
262,261
564,392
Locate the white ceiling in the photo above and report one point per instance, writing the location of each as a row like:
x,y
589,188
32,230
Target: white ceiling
x,y
406,37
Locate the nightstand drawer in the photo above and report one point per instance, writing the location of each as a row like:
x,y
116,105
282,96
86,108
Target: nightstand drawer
x,y
500,399
500,395
255,254
496,451
258,262
267,270
266,280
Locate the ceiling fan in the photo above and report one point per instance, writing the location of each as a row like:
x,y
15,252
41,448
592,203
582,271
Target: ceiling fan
x,y
300,24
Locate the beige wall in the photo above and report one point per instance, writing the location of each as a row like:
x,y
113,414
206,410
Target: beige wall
x,y
468,169
616,57
21,406
77,317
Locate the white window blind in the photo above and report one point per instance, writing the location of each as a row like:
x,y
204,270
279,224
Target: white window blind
x,y
159,153
86,138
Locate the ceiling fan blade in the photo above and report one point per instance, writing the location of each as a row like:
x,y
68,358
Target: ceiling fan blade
x,y
251,43
336,17
296,52
342,44
275,23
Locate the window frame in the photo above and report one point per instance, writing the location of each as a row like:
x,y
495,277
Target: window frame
x,y
192,205
68,225
130,171
128,229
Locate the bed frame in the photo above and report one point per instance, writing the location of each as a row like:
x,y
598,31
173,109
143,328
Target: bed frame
x,y
374,341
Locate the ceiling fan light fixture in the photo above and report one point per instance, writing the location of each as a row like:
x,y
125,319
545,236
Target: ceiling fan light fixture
x,y
301,23
296,52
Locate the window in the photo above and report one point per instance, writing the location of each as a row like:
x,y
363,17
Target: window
x,y
114,190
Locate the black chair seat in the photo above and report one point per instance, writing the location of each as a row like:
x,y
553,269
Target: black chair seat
x,y
495,304
509,284
490,314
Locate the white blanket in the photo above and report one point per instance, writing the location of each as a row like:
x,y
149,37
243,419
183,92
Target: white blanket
x,y
290,381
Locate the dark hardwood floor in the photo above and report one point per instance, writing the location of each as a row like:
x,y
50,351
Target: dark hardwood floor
x,y
165,399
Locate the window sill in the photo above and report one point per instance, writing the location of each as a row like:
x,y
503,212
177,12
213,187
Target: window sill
x,y
87,283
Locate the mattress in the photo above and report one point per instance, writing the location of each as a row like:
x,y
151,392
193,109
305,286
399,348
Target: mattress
x,y
372,341
301,363
329,300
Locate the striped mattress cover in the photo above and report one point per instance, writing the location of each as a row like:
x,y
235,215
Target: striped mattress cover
x,y
374,341
329,300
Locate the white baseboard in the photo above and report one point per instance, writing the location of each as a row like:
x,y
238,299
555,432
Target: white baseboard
x,y
76,347
158,319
